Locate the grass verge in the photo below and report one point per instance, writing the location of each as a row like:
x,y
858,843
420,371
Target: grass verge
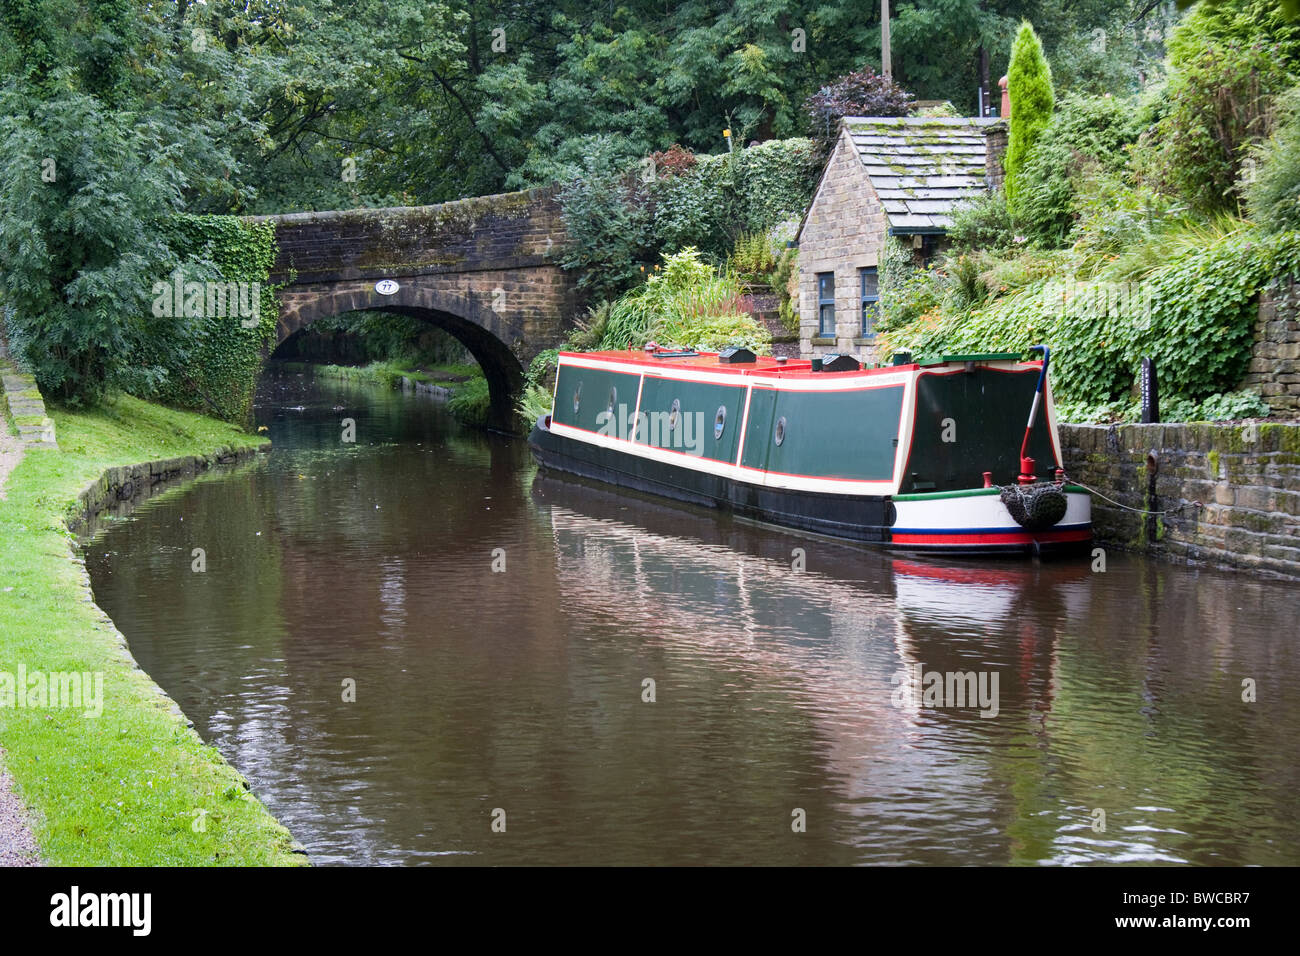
x,y
134,786
392,373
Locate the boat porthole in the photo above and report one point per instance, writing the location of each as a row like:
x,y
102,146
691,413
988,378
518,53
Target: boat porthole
x,y
674,414
719,422
779,436
577,397
613,399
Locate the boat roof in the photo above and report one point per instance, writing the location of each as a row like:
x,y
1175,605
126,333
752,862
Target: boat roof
x,y
687,360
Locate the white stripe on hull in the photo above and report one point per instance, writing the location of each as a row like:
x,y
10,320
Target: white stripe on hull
x,y
978,511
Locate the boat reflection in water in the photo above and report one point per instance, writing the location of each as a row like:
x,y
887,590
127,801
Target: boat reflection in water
x,y
958,711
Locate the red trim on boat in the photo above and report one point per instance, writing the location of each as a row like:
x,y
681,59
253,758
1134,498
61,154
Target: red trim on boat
x,y
1006,537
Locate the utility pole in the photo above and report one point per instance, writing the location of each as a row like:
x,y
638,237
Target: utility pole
x,y
886,64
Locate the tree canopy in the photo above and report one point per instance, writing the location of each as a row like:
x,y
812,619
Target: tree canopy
x,y
278,107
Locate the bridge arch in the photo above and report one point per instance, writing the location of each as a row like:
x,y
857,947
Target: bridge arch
x,y
496,342
485,269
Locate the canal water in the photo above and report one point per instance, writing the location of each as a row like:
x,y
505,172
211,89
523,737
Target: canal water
x,y
547,672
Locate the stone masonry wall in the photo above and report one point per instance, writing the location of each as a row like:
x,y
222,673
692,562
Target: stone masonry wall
x,y
1275,360
1231,493
843,232
507,231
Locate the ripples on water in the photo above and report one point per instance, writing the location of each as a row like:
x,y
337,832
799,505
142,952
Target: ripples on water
x,y
774,689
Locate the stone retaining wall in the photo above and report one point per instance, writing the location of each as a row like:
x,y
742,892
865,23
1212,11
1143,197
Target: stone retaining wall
x,y
1275,359
118,490
1230,493
26,408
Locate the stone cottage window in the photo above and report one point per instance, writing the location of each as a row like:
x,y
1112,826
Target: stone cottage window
x,y
826,304
870,283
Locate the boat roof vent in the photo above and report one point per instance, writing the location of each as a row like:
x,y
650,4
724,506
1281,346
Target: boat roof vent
x,y
736,355
840,363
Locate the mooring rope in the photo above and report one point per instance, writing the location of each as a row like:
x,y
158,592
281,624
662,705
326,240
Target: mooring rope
x,y
1117,504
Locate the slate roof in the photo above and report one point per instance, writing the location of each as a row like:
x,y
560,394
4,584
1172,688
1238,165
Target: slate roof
x,y
921,166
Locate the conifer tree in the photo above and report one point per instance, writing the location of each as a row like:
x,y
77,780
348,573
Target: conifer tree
x,y
1029,83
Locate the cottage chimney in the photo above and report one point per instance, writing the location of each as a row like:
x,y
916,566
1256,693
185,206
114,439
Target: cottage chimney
x,y
995,147
1005,112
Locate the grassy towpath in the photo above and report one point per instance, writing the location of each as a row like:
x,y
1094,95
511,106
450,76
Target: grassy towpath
x,y
133,785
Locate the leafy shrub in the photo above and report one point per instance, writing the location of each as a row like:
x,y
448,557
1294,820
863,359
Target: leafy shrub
x,y
1221,104
589,331
863,93
541,370
685,304
1173,408
719,199
534,400
79,254
785,280
1224,406
1114,218
982,223
917,294
1232,405
673,161
471,402
533,403
966,288
751,258
1273,193
1085,133
607,218
700,209
1029,84
1243,23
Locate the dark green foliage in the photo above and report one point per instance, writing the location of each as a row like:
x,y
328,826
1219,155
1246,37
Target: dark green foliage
x,y
982,223
1193,314
1234,23
378,337
1029,82
471,402
1221,105
219,369
84,191
608,219
30,28
1085,133
617,215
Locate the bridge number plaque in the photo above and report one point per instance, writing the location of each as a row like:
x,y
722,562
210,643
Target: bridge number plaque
x,y
386,286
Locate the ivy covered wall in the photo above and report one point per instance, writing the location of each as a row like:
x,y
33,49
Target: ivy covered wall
x,y
217,370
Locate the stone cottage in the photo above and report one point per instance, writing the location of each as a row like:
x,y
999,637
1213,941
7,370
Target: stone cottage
x,y
886,177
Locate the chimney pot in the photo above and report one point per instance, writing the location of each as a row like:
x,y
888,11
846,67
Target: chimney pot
x,y
1006,99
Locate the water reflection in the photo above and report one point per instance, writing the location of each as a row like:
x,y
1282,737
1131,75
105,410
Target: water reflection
x,y
775,690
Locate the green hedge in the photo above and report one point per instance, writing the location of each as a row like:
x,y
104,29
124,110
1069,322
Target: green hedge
x,y
722,198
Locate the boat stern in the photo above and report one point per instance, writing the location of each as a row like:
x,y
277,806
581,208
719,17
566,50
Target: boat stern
x,y
1044,519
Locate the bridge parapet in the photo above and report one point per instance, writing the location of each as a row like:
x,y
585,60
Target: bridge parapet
x,y
507,231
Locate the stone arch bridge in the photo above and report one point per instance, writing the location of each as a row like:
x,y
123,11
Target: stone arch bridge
x,y
486,269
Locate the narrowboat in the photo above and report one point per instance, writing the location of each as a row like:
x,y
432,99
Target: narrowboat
x,y
929,455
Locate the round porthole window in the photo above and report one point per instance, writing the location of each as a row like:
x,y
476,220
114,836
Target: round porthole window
x,y
719,422
779,435
613,399
674,414
577,398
